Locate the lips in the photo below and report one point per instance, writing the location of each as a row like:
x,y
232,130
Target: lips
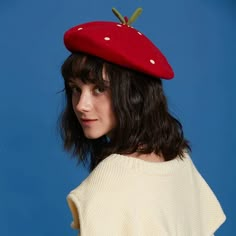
x,y
87,121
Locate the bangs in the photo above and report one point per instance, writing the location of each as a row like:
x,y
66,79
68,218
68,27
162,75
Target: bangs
x,y
84,67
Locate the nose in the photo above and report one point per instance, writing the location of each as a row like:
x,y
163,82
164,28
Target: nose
x,y
84,102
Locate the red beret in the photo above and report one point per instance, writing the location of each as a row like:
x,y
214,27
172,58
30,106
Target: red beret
x,y
120,44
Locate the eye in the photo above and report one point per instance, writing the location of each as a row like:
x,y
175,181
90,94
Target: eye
x,y
75,90
99,90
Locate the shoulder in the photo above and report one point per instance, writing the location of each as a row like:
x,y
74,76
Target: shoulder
x,y
108,176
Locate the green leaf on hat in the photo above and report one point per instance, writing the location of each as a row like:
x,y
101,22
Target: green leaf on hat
x,y
135,15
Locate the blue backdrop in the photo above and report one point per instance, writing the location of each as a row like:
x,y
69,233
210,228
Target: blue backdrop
x,y
198,38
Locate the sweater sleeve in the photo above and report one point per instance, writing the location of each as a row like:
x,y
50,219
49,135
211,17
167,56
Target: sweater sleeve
x,y
73,204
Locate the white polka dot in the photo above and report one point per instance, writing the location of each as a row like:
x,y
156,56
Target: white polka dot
x,y
79,28
119,25
139,33
107,38
152,61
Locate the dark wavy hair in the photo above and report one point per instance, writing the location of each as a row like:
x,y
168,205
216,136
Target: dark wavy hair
x,y
143,122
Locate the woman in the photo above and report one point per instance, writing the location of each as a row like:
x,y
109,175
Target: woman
x,y
142,180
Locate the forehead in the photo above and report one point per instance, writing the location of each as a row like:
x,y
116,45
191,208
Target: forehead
x,y
99,81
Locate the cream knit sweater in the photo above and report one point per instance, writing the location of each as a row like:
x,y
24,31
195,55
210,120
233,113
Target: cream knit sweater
x,y
127,196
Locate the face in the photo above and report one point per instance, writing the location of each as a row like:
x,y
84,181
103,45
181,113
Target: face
x,y
93,108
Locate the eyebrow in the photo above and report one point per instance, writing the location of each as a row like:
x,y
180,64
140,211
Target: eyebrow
x,y
72,81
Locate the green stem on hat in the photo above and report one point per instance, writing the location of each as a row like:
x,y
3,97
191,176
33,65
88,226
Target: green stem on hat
x,y
135,15
118,15
132,18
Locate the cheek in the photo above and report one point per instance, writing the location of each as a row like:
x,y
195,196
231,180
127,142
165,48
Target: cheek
x,y
104,107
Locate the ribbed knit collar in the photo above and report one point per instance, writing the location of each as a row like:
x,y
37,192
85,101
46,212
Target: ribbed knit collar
x,y
151,168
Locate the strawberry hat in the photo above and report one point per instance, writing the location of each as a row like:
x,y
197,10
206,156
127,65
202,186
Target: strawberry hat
x,y
120,44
